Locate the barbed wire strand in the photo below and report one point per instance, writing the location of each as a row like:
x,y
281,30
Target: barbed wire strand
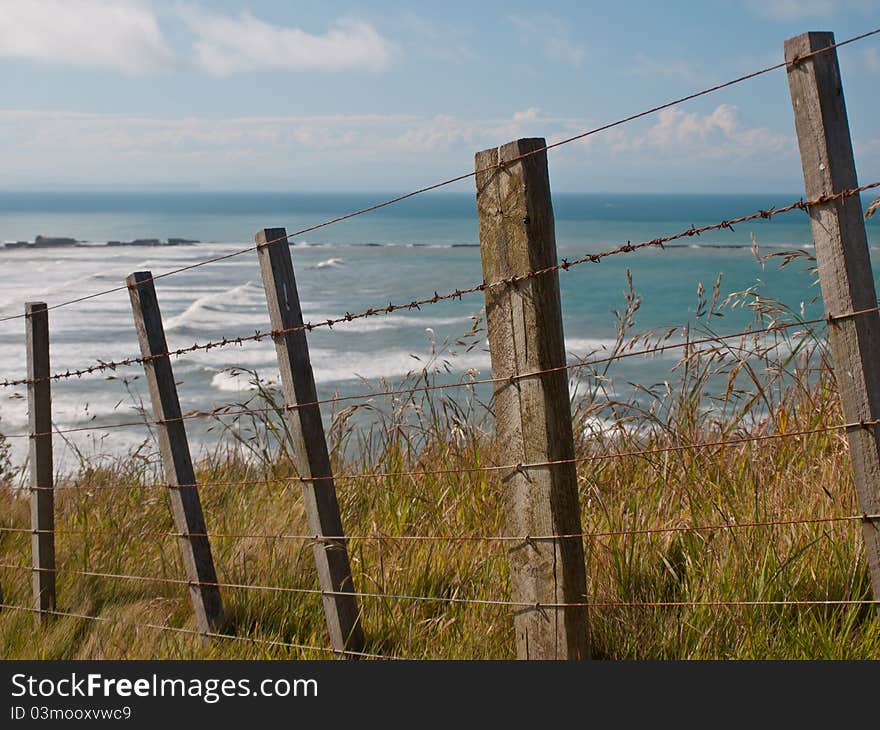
x,y
601,457
565,265
586,361
737,441
280,480
434,186
537,605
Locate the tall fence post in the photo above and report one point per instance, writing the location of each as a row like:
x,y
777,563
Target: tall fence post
x,y
40,458
844,263
309,443
532,414
186,506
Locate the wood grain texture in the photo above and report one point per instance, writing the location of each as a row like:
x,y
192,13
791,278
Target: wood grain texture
x,y
532,415
186,507
309,442
40,458
845,273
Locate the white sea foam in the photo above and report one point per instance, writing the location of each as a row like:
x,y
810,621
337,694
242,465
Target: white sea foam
x,y
385,322
580,346
242,305
237,381
329,263
253,356
331,366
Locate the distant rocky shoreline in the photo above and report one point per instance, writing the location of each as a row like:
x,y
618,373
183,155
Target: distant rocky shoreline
x,y
62,241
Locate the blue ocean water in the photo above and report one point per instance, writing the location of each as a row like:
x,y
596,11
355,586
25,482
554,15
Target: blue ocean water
x,y
403,252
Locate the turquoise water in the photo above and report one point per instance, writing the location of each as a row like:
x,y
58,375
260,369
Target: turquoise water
x,y
397,254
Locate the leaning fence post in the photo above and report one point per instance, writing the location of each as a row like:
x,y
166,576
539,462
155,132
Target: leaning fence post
x,y
309,443
844,263
186,507
40,458
532,414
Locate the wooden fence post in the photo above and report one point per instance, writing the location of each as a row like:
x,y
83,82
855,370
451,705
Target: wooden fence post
x,y
186,506
40,458
533,414
309,442
844,263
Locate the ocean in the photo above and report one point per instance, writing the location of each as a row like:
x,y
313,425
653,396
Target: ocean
x,y
397,254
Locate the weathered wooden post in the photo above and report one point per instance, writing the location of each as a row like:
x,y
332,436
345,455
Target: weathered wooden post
x,y
40,458
844,263
309,443
532,414
186,507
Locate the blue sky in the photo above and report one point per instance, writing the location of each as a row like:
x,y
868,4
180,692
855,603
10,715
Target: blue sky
x,y
386,96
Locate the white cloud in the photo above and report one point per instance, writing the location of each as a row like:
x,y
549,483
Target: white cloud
x,y
390,151
74,134
448,133
527,115
552,34
136,136
256,151
123,35
716,136
327,151
232,44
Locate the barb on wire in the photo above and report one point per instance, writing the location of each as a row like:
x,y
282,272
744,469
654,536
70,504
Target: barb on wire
x,y
565,265
586,361
465,176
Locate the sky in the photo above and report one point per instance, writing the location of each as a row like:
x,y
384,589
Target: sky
x,y
390,96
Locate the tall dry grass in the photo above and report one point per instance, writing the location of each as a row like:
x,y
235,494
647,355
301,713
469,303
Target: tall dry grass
x,y
721,390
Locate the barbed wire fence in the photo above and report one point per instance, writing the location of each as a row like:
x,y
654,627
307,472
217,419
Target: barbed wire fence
x,y
543,535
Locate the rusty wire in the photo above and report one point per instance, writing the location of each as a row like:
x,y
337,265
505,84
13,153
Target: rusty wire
x,y
738,441
519,467
565,265
228,411
194,632
434,186
518,539
164,485
535,605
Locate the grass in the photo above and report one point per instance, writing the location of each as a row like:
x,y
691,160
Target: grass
x,y
760,384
